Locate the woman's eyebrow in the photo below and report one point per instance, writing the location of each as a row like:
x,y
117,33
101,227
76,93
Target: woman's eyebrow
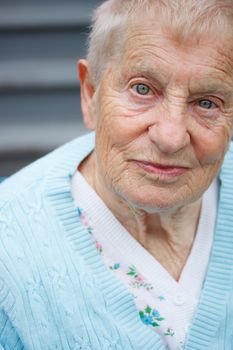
x,y
212,87
153,73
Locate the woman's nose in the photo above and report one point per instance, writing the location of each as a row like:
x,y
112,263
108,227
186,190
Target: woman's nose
x,y
170,133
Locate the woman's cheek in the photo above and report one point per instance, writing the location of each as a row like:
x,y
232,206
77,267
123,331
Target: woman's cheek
x,y
211,146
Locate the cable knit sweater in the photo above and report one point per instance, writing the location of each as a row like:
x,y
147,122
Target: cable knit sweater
x,y
55,291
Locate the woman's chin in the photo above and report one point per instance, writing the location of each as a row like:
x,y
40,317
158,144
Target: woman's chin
x,y
154,203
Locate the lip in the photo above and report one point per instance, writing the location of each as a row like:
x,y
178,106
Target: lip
x,y
162,169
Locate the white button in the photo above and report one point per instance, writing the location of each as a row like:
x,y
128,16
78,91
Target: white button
x,y
186,328
179,299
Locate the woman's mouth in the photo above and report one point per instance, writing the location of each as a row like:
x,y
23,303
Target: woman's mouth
x,y
160,169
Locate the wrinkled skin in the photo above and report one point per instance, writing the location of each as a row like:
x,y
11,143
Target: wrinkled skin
x,y
168,125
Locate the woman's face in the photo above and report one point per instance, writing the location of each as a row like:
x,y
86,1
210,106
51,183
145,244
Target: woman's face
x,y
163,119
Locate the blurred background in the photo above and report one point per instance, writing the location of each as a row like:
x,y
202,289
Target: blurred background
x,y
40,42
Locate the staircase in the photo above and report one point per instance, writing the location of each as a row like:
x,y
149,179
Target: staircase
x,y
40,42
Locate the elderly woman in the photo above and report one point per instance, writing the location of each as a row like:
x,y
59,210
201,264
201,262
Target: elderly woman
x,y
123,239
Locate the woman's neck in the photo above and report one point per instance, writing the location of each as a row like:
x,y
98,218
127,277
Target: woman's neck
x,y
168,236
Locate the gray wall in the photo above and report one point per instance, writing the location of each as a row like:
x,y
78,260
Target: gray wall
x,y
40,42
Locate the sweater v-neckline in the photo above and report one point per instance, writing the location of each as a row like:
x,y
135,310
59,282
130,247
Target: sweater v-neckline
x,y
125,244
119,301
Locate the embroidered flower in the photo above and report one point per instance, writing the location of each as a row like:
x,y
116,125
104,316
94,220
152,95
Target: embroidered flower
x,y
155,313
115,266
169,332
161,298
99,247
86,223
148,320
84,220
138,280
151,317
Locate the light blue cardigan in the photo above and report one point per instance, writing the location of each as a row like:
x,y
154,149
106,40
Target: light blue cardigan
x,y
55,292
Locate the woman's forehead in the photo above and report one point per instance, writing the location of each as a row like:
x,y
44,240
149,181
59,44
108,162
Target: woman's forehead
x,y
155,53
158,33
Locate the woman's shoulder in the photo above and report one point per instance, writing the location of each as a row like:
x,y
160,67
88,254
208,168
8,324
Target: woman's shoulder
x,y
29,225
27,178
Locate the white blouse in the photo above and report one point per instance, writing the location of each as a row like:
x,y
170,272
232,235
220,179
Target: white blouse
x,y
165,305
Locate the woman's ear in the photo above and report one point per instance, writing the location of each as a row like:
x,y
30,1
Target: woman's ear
x,y
87,95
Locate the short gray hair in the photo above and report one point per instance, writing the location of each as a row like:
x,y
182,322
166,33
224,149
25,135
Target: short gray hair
x,y
111,20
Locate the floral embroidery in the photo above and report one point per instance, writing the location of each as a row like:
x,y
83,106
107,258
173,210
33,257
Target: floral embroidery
x,y
138,279
148,316
169,332
84,220
151,317
115,266
99,247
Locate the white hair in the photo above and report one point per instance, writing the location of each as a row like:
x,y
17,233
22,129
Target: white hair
x,y
112,19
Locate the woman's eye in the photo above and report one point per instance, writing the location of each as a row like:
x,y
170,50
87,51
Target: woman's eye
x,y
207,104
141,89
